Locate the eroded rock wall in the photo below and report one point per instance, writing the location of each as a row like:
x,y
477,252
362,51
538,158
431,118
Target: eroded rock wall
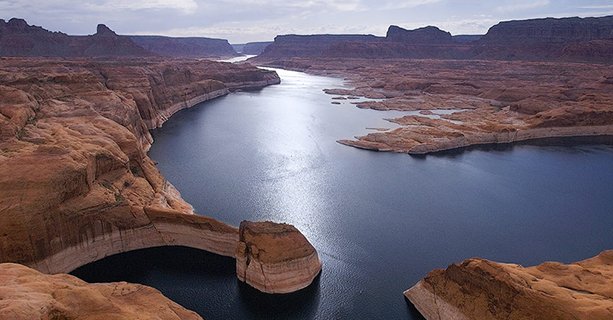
x,y
76,183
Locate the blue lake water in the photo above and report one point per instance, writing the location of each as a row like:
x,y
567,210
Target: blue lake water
x,y
380,221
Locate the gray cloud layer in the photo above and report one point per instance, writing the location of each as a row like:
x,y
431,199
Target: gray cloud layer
x,y
252,20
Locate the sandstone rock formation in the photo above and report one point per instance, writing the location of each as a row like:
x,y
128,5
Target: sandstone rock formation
x,y
275,258
482,289
311,45
194,47
76,183
425,35
27,294
549,39
494,101
19,39
567,39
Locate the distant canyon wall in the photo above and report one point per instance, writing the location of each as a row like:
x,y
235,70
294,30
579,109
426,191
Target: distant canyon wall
x,y
567,39
19,39
185,46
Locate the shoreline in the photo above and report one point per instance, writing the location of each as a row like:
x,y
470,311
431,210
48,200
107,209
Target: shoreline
x,y
96,193
494,108
592,135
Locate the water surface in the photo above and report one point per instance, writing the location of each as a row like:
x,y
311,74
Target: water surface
x,y
380,221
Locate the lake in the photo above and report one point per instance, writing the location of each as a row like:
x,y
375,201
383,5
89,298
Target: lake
x,y
380,221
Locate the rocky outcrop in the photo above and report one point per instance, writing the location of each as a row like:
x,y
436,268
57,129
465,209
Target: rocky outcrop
x,y
91,238
28,294
575,39
426,35
18,39
482,289
275,258
486,102
76,184
194,47
550,30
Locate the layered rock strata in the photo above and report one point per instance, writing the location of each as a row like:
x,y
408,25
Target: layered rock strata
x,y
275,258
185,46
28,294
566,39
482,289
483,102
18,39
76,183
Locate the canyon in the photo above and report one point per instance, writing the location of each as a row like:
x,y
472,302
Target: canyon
x,y
77,184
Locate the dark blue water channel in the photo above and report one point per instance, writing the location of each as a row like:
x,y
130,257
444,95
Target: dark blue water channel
x,y
380,221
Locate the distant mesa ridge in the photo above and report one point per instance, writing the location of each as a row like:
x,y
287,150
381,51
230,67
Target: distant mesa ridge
x,y
425,35
185,46
19,39
548,39
564,39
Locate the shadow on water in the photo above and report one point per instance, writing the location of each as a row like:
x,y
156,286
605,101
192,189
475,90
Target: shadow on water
x,y
566,144
197,279
415,315
298,305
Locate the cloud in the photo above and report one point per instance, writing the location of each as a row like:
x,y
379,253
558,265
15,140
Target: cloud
x,y
184,6
395,5
604,6
522,6
89,7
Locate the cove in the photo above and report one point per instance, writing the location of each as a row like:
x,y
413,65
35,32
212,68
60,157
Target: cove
x,y
380,221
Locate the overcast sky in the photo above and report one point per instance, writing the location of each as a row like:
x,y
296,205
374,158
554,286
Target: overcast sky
x,y
261,20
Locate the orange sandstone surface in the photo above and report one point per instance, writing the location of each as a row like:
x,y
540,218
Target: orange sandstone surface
x,y
76,184
27,294
482,289
275,258
494,101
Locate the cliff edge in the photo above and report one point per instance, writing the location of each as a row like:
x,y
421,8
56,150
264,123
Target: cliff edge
x,y
275,257
482,289
28,294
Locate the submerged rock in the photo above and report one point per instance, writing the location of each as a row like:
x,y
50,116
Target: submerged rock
x,y
482,289
275,257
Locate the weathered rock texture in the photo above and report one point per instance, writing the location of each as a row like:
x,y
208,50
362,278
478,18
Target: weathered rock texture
x,y
568,39
275,258
27,294
185,47
579,39
311,45
76,183
19,39
482,289
496,101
